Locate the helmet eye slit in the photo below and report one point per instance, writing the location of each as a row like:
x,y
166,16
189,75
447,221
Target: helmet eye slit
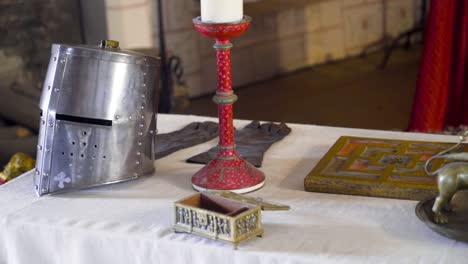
x,y
84,120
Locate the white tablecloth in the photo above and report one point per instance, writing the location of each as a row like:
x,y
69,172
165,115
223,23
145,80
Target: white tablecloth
x,y
131,222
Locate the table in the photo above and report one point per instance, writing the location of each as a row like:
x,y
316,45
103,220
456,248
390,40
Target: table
x,y
131,222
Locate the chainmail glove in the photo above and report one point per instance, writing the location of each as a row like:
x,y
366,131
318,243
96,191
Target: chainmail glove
x,y
251,142
191,135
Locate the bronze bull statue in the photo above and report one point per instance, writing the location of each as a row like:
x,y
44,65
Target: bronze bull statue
x,y
451,178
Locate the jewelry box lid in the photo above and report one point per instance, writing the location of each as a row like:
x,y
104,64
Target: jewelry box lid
x,y
264,205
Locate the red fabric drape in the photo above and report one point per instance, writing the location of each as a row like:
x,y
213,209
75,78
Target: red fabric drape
x,y
441,98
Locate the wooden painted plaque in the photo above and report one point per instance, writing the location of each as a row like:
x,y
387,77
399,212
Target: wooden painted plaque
x,y
378,168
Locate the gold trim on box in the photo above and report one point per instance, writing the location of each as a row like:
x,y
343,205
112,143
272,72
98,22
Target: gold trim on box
x,y
217,226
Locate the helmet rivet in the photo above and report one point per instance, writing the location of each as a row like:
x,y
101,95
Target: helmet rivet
x,y
117,117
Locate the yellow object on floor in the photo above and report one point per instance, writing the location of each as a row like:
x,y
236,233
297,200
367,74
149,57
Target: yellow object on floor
x,y
18,164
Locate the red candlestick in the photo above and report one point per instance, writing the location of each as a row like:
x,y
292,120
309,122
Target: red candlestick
x,y
227,171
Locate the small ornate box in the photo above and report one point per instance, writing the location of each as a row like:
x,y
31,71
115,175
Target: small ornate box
x,y
224,216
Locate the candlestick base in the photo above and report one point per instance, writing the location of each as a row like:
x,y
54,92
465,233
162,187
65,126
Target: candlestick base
x,y
235,175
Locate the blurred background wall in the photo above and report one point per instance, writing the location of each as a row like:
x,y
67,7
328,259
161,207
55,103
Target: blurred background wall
x,y
286,35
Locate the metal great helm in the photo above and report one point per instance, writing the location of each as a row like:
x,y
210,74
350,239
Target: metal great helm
x,y
98,117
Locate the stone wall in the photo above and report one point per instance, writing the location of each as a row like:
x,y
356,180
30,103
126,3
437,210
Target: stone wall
x,y
279,42
27,30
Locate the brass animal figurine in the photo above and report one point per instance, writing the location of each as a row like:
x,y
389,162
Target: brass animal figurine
x,y
451,178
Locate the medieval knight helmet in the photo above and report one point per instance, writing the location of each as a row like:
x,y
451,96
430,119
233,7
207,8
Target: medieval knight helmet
x,y
98,117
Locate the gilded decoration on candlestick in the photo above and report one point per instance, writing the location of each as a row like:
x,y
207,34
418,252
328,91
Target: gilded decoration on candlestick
x,y
227,171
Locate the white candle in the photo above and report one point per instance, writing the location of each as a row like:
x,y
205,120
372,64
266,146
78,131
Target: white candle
x,y
221,11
